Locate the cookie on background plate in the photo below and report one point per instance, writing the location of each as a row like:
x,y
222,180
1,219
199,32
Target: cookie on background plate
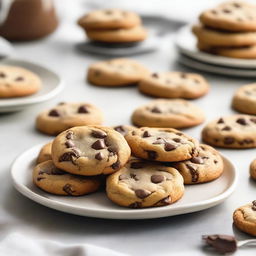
x,y
253,169
235,131
67,115
45,153
206,166
174,85
161,144
18,82
173,113
90,150
116,72
55,181
244,99
245,218
142,184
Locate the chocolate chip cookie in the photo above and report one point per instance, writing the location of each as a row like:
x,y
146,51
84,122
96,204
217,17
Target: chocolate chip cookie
x,y
235,131
174,85
145,184
161,144
18,82
116,72
244,99
253,169
245,218
67,115
55,181
124,129
45,153
90,150
174,113
205,167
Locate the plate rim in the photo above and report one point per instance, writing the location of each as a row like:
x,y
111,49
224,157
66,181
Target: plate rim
x,y
157,212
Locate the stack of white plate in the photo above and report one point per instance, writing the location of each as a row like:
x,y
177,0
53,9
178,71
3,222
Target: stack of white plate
x,y
191,57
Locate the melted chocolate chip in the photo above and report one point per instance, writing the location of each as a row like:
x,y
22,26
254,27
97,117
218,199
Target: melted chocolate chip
x,y
68,189
241,121
99,156
155,75
169,146
248,141
2,75
157,178
165,201
19,78
69,144
176,140
253,120
68,156
98,144
133,176
40,178
156,110
236,5
69,135
137,165
54,112
183,75
215,161
193,172
229,140
135,205
99,134
197,160
83,110
226,11
226,128
116,165
120,129
146,134
220,121
159,141
141,193
254,205
152,155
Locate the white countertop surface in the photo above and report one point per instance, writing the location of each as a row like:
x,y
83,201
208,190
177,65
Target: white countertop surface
x,y
178,235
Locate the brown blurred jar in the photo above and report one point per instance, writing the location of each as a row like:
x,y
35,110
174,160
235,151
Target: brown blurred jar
x,y
24,20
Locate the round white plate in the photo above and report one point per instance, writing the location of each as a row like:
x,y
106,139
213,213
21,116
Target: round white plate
x,y
196,197
186,44
52,85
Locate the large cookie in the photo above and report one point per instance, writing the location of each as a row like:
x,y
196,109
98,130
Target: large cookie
x,y
109,19
144,184
253,169
45,153
161,144
67,115
205,167
18,82
245,218
90,150
175,113
116,72
235,131
174,85
244,99
231,16
55,181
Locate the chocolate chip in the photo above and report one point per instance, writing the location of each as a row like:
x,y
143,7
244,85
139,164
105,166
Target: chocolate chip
x,y
19,78
248,141
165,201
253,120
99,134
197,160
156,110
112,150
2,75
137,165
116,165
133,133
141,193
254,205
54,112
68,156
68,189
146,134
241,121
159,141
183,75
152,155
237,5
169,146
155,75
215,161
98,144
193,172
135,205
40,178
83,110
61,103
133,176
99,156
229,140
220,121
226,11
69,144
69,135
120,129
214,12
157,178
176,140
226,128
179,133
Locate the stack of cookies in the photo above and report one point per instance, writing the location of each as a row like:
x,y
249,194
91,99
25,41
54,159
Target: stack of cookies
x,y
164,159
113,26
228,30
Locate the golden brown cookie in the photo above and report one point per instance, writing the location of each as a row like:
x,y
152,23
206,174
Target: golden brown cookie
x,y
45,153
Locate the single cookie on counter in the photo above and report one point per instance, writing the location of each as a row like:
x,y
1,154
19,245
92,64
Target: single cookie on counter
x,y
235,131
121,35
124,129
174,85
116,72
67,115
45,153
142,184
253,169
172,113
90,150
109,19
18,82
55,181
161,144
231,16
245,218
205,167
244,99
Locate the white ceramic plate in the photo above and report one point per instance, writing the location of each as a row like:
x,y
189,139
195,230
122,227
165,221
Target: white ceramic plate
x,y
52,85
196,197
186,44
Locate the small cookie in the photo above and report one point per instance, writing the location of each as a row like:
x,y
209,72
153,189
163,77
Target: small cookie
x,y
124,129
245,218
144,184
244,99
45,153
90,150
109,19
116,72
231,16
161,144
55,181
67,115
253,169
235,131
215,38
18,82
173,113
122,35
174,85
205,167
